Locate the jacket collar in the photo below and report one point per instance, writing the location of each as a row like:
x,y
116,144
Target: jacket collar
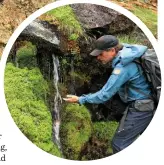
x,y
116,59
128,54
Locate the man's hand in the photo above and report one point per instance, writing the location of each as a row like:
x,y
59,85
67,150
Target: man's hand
x,y
71,99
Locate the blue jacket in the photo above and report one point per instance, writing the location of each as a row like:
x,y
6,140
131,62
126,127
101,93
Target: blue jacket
x,y
124,71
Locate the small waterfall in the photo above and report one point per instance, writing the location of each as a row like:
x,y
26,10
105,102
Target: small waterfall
x,y
57,101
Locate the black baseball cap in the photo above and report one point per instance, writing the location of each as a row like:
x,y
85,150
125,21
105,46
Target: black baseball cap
x,y
103,43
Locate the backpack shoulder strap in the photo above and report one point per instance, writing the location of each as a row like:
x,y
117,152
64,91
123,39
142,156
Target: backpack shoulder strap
x,y
141,92
137,90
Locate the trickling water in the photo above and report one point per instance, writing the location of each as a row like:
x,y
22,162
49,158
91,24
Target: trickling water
x,y
57,101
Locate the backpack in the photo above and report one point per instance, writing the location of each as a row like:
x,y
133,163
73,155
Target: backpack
x,y
150,66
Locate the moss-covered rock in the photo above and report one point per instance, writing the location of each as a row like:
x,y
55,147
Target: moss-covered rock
x,y
99,145
104,131
26,56
26,92
67,20
75,130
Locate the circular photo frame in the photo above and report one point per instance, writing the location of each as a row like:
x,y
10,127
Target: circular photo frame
x,y
49,74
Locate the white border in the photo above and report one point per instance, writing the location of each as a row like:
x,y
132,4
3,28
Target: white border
x,y
142,151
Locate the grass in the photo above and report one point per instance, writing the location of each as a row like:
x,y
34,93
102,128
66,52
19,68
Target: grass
x,y
128,39
148,17
67,20
134,39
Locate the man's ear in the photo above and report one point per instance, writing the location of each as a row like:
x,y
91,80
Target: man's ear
x,y
113,50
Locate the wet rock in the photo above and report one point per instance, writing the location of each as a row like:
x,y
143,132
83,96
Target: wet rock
x,y
42,35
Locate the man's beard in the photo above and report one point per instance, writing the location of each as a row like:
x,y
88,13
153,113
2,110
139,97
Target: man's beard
x,y
104,62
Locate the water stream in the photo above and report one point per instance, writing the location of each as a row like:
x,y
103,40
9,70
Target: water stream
x,y
57,101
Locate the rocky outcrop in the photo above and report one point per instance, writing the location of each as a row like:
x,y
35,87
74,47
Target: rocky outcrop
x,y
39,33
13,12
95,16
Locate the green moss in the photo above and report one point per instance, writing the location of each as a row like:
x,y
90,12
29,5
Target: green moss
x,y
75,130
67,20
26,56
99,145
104,131
26,92
73,37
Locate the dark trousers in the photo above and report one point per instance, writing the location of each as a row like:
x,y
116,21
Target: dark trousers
x,y
132,124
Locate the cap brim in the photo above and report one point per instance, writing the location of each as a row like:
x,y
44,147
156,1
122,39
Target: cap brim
x,y
96,52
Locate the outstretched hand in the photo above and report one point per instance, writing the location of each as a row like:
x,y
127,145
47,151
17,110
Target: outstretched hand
x,y
71,98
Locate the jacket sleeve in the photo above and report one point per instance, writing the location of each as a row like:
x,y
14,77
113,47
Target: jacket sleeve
x,y
116,80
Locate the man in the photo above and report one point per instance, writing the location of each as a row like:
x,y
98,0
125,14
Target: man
x,y
128,80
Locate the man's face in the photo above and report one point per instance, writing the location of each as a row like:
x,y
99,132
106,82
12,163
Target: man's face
x,y
107,56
